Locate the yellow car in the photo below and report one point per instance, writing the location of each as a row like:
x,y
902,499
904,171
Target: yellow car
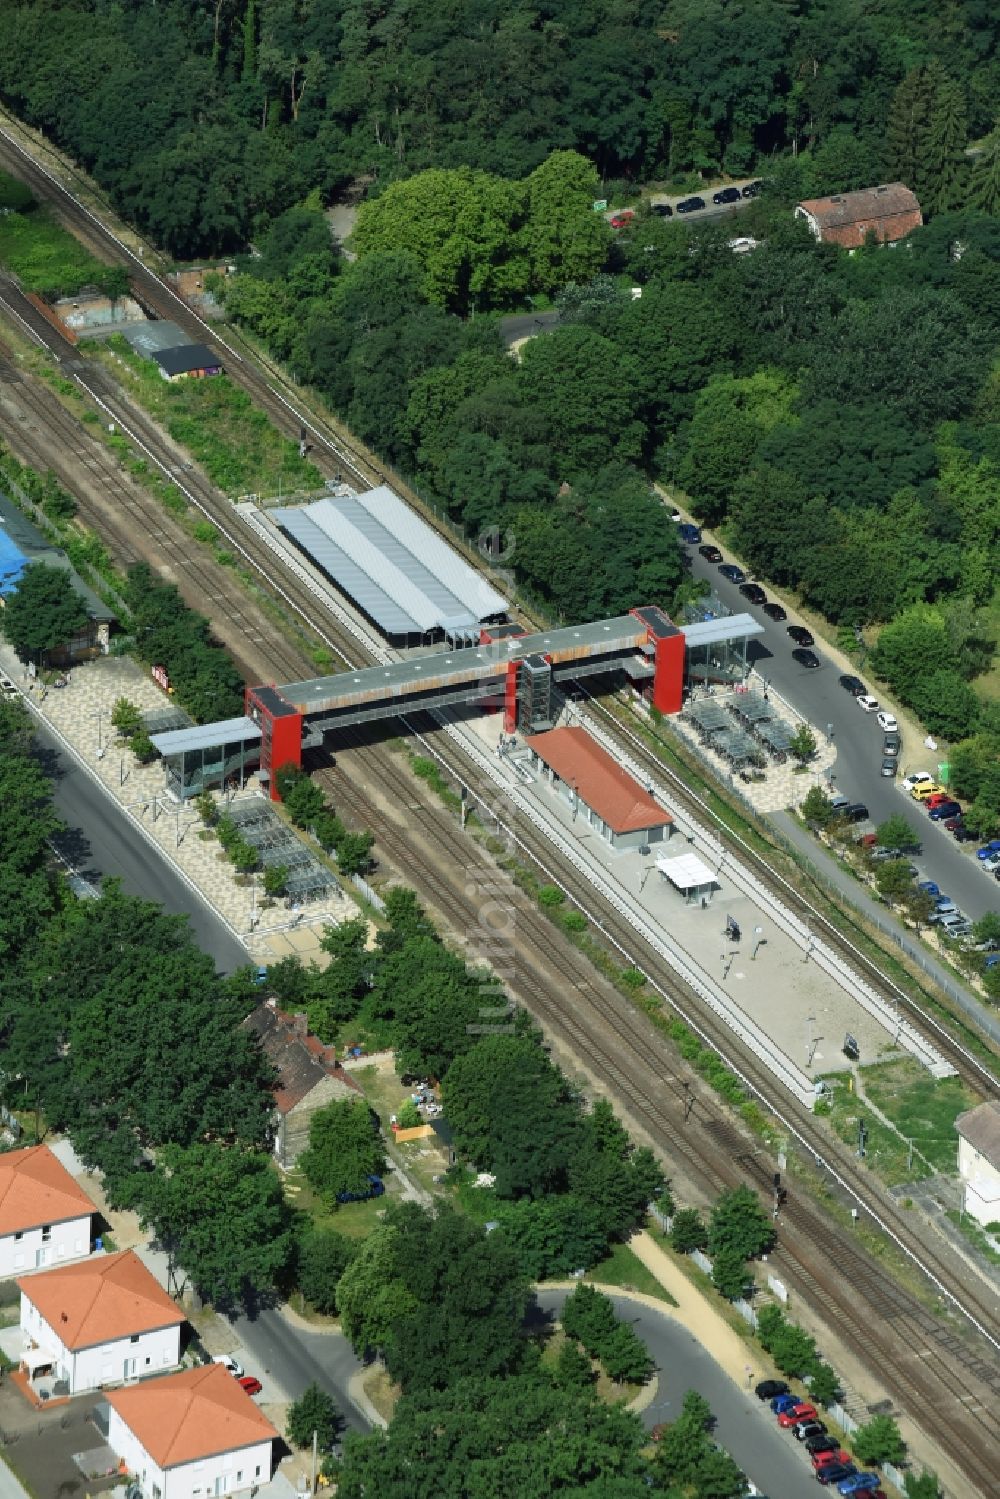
x,y
925,791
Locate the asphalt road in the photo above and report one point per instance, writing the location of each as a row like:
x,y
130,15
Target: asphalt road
x,y
287,1358
99,840
817,694
747,1430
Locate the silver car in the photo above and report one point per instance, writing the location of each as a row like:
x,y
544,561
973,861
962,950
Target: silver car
x,y
889,767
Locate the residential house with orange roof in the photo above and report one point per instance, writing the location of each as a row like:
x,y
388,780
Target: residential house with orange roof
x,y
45,1216
104,1321
191,1435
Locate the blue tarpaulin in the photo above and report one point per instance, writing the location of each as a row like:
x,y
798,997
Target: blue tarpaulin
x,y
12,563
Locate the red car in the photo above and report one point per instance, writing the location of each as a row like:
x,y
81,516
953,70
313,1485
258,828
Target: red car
x,y
938,798
797,1413
251,1385
619,220
821,1459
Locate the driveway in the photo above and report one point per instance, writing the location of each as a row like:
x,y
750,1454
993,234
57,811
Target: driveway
x,y
745,1428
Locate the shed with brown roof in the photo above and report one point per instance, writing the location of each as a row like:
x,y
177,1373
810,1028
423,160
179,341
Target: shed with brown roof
x,y
196,1430
889,212
309,1076
593,782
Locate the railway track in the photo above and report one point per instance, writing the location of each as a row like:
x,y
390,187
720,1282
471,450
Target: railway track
x,y
934,1372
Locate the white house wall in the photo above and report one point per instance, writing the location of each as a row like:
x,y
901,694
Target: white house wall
x,y
106,1363
32,1250
982,1182
227,1473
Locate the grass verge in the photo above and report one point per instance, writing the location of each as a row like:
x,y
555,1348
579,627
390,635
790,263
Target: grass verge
x,y
45,258
623,1268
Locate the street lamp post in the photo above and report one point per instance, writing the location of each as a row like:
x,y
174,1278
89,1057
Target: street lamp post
x,y
758,937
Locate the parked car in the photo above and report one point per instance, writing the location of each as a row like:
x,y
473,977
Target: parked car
x,y
784,1402
989,849
775,611
689,533
620,220
734,574
889,766
962,834
917,778
855,812
891,745
662,210
943,810
992,962
753,592
806,658
835,1473
867,703
930,886
924,790
800,635
853,685
832,1454
690,205
376,1188
710,553
951,823
769,1388
727,195
887,722
938,798
806,1429
228,1362
752,189
859,1483
250,1384
802,1412
821,1444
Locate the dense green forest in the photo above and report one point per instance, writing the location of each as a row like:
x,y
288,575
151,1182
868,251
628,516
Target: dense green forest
x,y
202,119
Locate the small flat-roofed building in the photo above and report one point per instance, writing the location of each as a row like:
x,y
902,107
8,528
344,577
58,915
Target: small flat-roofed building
x,y
154,334
187,361
979,1160
206,755
889,212
599,789
45,1216
104,1321
401,574
193,1433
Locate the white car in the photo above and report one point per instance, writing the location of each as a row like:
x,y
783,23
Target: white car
x,y
868,704
887,721
918,778
227,1362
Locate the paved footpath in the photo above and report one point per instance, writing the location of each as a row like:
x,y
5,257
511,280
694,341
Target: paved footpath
x,y
11,1487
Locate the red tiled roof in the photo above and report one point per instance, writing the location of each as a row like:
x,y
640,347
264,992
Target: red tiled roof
x,y
890,212
98,1300
194,1414
35,1188
598,779
300,1059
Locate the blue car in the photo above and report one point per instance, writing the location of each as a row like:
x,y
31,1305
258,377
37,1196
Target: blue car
x,y
988,849
784,1403
992,962
689,533
859,1483
929,886
945,809
376,1188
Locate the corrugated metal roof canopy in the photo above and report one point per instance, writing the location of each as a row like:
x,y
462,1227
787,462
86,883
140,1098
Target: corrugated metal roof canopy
x,y
206,736
401,573
714,631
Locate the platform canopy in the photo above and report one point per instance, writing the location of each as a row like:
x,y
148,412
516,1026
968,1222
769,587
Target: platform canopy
x,y
405,577
688,873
